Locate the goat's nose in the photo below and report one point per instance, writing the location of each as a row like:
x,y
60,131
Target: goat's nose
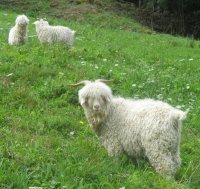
x,y
96,107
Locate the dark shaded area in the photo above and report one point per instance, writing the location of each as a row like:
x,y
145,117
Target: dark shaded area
x,y
170,16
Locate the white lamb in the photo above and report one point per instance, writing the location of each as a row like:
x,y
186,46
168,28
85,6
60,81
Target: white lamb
x,y
52,34
18,34
139,128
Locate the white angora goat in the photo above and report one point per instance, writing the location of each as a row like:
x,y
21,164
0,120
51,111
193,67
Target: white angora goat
x,y
52,34
139,128
18,34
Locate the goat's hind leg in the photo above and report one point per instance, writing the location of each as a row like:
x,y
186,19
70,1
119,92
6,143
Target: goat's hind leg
x,y
164,162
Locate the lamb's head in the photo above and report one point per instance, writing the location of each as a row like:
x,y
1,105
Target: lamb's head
x,y
22,20
96,99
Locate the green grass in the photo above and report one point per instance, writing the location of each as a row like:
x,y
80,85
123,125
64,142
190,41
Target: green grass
x,y
38,109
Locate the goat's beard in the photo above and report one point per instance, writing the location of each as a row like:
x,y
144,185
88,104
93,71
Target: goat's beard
x,y
21,26
95,119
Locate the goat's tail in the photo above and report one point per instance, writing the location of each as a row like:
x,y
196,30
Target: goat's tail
x,y
180,115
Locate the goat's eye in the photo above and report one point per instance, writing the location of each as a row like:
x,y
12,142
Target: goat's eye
x,y
103,98
86,100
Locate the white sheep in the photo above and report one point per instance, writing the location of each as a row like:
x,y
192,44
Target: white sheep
x,y
139,128
52,34
18,34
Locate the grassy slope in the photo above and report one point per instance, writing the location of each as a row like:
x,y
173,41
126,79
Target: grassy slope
x,y
38,109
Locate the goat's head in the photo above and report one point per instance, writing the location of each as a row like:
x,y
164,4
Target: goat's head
x,y
41,22
22,20
95,96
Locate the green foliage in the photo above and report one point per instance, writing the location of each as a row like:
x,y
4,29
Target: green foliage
x,y
45,138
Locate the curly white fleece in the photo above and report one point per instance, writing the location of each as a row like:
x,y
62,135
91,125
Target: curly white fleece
x,y
139,128
18,34
52,34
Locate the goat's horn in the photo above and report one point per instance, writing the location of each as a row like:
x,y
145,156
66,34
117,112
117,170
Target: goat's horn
x,y
105,81
80,83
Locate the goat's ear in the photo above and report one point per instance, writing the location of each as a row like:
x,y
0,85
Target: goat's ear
x,y
104,80
83,100
85,82
106,99
27,20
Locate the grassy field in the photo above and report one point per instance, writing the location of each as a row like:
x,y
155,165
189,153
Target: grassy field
x,y
44,136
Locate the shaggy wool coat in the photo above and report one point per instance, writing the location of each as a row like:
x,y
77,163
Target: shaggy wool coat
x,y
52,34
139,128
18,34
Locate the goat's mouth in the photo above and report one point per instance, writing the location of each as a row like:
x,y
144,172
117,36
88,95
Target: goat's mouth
x,y
97,112
22,24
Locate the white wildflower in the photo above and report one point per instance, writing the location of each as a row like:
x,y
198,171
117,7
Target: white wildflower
x,y
151,69
61,73
72,133
141,86
83,62
136,96
178,106
9,75
159,96
79,39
